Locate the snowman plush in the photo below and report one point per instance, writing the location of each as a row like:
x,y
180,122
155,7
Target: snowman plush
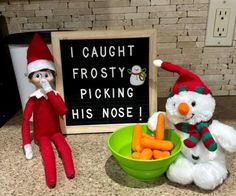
x,y
189,111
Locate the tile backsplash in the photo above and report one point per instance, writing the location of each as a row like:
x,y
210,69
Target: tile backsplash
x,y
180,24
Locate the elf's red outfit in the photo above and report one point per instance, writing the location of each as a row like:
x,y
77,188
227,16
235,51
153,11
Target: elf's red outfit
x,y
46,111
47,107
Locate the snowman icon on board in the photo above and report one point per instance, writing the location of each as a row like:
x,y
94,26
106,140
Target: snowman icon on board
x,y
137,75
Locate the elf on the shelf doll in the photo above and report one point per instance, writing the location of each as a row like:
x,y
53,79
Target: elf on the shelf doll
x,y
47,107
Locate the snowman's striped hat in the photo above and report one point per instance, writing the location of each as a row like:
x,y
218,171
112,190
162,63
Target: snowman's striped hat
x,y
187,80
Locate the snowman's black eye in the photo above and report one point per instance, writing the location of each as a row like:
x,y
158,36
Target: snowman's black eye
x,y
174,104
193,103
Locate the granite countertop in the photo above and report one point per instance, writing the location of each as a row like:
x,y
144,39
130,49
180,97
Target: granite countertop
x,y
97,173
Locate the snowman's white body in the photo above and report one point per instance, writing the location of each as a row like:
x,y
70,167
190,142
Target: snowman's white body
x,y
198,165
135,80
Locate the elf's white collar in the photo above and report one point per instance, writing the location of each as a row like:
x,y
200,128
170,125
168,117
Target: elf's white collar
x,y
41,93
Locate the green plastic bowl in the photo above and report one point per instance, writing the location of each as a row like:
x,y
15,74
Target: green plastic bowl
x,y
119,143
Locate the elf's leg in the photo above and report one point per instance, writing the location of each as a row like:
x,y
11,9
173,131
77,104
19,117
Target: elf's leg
x,y
48,157
65,154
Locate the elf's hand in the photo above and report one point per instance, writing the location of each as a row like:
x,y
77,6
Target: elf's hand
x,y
45,85
28,151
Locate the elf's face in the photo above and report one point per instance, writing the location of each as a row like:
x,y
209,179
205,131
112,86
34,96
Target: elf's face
x,y
42,74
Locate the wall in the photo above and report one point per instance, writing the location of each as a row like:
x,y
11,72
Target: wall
x,y
180,24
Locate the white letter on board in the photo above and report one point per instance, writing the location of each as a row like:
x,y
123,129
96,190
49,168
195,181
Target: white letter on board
x,y
105,113
130,92
94,73
121,71
130,49
75,72
112,71
112,51
103,51
85,52
83,73
121,112
121,51
75,114
129,112
71,52
103,72
94,52
89,113
97,93
82,93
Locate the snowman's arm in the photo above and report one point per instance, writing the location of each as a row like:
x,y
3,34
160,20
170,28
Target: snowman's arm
x,y
152,121
225,135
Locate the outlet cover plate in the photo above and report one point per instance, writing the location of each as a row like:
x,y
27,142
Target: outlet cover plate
x,y
221,23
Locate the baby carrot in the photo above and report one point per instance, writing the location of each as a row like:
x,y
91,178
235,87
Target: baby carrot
x,y
157,154
160,128
136,155
137,135
146,154
155,144
148,136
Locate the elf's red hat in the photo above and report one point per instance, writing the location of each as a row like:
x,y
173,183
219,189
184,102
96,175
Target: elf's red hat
x,y
187,80
39,56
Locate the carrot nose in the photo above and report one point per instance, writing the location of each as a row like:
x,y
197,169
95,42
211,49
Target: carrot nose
x,y
183,108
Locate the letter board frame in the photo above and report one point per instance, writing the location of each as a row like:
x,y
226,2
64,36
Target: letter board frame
x,y
95,77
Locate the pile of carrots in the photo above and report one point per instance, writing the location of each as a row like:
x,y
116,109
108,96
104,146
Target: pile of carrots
x,y
148,147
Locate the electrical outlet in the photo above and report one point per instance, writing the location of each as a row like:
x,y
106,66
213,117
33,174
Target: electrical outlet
x,y
221,21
